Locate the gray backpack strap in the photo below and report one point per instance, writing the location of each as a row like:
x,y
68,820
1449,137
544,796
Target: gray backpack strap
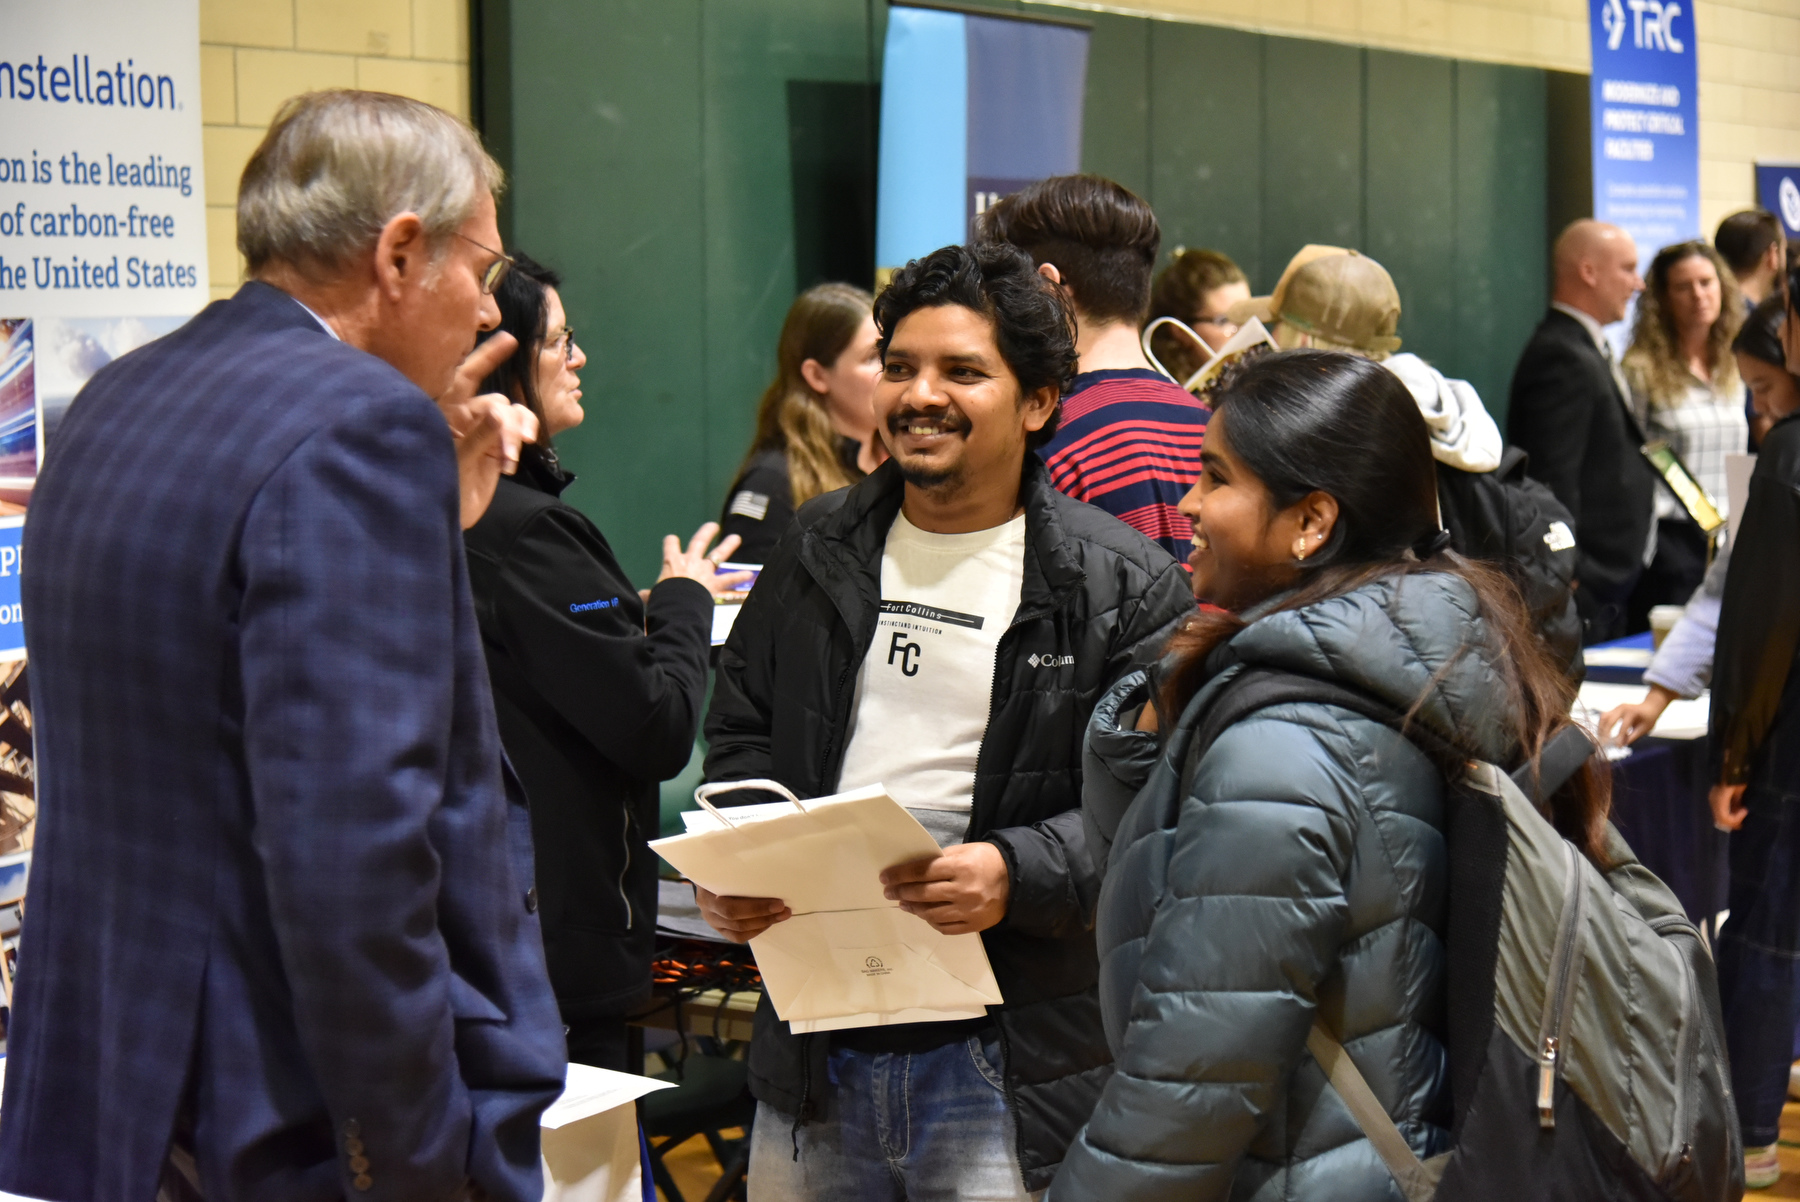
x,y
1417,1179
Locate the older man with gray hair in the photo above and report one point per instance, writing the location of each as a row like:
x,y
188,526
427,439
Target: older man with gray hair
x,y
282,940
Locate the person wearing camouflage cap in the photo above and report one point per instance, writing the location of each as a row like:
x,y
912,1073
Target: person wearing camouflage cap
x,y
1333,298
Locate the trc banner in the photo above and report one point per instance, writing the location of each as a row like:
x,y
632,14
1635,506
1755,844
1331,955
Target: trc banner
x,y
1646,130
972,108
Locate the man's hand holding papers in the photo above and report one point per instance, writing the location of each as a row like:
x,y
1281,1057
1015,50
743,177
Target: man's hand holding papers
x,y
741,919
879,925
962,890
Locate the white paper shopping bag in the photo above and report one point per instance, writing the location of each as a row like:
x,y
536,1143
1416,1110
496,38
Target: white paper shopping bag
x,y
849,956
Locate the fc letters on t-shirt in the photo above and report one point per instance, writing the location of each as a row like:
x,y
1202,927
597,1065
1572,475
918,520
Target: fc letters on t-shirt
x,y
921,704
901,621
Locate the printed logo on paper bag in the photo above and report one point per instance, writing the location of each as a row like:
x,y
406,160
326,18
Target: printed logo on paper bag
x,y
873,967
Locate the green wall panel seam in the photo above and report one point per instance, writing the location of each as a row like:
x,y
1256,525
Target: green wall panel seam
x,y
1362,214
1267,271
706,263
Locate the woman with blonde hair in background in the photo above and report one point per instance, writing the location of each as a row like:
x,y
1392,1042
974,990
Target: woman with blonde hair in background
x,y
815,425
1685,391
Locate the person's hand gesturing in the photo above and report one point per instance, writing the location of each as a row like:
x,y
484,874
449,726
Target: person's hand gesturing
x,y
488,428
697,564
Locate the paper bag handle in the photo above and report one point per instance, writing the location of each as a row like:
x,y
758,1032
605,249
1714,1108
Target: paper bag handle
x,y
732,786
1144,341
1212,356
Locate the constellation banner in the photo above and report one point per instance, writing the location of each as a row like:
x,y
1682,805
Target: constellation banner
x,y
102,211
102,248
1645,120
973,108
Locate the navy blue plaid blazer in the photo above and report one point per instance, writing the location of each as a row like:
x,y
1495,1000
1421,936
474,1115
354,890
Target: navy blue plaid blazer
x,y
280,891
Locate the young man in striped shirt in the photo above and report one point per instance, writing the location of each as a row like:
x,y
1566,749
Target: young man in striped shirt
x,y
1130,439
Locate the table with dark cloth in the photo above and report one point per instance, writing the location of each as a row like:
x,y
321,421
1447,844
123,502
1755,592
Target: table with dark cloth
x,y
1659,805
1659,796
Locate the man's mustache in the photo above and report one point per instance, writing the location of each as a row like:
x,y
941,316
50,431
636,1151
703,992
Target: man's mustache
x,y
950,419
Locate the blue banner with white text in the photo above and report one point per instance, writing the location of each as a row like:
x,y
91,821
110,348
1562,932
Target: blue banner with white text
x,y
1645,120
1778,190
973,108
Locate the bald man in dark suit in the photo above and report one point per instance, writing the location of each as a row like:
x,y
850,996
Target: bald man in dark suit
x,y
1568,412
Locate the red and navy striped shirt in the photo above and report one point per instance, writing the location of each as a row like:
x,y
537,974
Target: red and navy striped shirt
x,y
1129,442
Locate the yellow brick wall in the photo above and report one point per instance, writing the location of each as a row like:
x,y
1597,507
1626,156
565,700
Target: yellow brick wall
x,y
1749,60
1749,97
256,53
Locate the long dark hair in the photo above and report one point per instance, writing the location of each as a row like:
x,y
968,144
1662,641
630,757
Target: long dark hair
x,y
524,300
1760,336
1319,421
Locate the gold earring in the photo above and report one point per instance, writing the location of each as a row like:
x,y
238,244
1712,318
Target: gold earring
x,y
1300,548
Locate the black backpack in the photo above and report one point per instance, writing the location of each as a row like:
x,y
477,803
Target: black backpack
x,y
1584,1031
1515,522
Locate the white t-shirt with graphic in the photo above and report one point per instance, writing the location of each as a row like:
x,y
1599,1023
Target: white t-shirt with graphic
x,y
922,696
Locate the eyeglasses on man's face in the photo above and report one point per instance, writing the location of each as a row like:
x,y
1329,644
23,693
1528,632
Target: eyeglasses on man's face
x,y
494,272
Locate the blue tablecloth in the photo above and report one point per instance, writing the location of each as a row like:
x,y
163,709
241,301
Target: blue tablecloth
x,y
1608,674
1659,805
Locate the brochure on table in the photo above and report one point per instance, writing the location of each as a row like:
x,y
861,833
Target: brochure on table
x,y
727,608
1686,718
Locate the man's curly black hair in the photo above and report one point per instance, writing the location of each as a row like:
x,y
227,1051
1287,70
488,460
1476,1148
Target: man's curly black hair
x,y
1033,323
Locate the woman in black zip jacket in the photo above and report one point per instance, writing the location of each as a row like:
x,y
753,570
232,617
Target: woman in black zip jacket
x,y
598,693
1756,745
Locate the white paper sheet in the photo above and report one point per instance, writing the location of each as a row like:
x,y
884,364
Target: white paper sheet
x,y
589,1091
1617,657
1684,719
1739,465
726,610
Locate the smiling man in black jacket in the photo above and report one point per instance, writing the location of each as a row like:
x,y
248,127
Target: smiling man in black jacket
x,y
944,628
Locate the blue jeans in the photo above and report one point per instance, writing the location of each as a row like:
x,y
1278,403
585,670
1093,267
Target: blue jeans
x,y
1759,946
901,1127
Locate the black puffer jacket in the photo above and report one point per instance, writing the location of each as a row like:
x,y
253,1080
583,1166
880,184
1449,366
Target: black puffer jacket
x,y
1298,867
593,712
1753,700
1098,598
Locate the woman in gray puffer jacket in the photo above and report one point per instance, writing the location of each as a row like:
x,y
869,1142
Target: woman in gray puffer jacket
x,y
1298,868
